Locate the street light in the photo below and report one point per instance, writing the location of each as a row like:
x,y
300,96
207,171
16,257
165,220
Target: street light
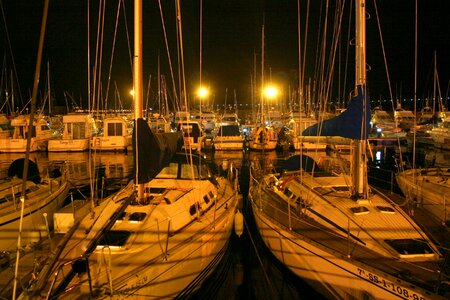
x,y
202,92
270,92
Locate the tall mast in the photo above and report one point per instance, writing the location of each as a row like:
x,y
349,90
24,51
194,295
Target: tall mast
x,y
138,80
262,76
360,42
359,166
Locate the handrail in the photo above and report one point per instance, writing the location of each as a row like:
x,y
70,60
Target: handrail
x,y
71,274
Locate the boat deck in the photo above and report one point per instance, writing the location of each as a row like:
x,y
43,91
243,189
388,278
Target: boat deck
x,y
428,274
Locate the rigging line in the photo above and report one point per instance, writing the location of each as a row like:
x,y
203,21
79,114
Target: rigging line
x,y
317,56
113,47
182,74
384,55
128,36
326,85
168,55
179,58
27,153
99,73
304,44
415,91
300,63
94,75
11,53
387,75
334,46
347,53
321,63
266,277
200,45
88,54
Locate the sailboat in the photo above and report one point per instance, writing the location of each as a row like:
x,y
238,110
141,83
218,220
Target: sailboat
x,y
344,238
427,188
263,136
160,236
43,197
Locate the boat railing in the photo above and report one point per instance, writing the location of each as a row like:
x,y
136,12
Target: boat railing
x,y
77,266
383,178
290,213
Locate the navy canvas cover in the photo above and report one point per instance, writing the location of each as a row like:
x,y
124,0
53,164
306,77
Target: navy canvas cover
x,y
354,123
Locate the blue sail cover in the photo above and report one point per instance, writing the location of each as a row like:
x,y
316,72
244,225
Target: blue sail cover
x,y
152,151
348,124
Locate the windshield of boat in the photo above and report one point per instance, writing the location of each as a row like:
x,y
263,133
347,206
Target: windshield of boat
x,y
184,170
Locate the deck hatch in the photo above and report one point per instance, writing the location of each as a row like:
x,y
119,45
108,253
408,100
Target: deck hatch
x,y
137,217
114,238
410,246
359,210
386,209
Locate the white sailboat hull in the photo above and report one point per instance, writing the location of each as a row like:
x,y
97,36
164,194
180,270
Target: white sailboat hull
x,y
168,253
333,275
428,189
40,205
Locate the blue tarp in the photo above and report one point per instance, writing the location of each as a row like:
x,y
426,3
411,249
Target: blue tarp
x,y
348,124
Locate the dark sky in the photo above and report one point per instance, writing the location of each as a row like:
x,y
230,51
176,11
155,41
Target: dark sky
x,y
231,42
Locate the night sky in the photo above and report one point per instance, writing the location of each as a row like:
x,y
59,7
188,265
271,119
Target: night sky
x,y
231,45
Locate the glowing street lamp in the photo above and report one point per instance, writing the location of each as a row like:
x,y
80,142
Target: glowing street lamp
x,y
202,92
270,92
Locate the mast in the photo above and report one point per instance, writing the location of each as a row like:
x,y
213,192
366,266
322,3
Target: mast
x,y
262,77
37,72
359,167
138,78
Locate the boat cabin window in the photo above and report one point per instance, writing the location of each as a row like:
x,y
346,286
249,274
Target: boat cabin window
x,y
114,238
121,216
359,210
410,246
33,131
79,130
188,172
44,128
206,199
341,188
114,129
191,172
287,192
322,190
193,209
386,209
156,190
137,217
32,188
171,171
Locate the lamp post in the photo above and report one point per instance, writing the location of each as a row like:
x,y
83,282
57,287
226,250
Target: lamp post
x,y
269,92
202,93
